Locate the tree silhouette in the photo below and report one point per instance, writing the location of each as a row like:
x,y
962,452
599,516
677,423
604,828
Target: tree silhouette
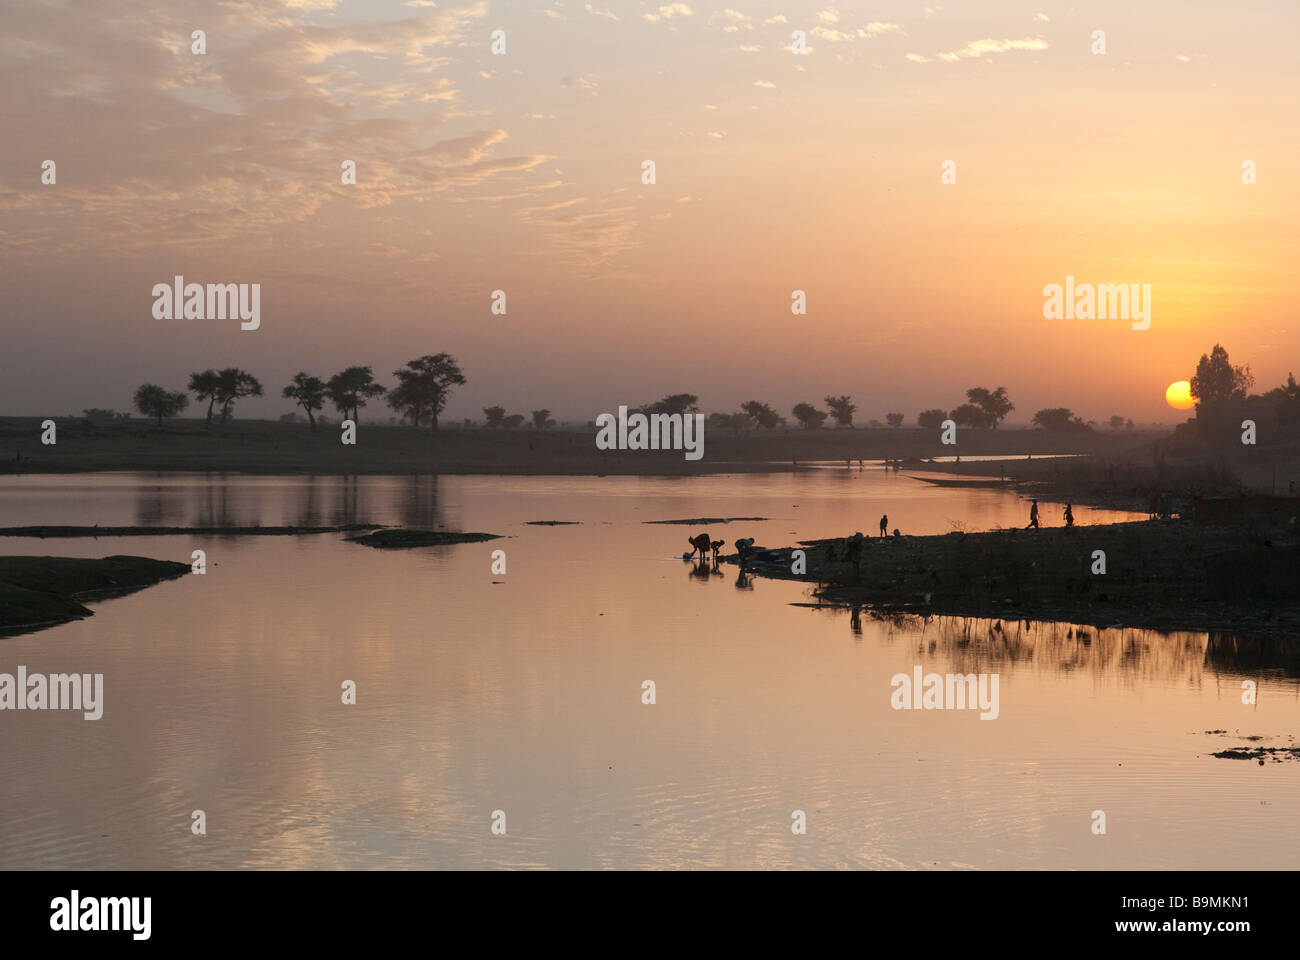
x,y
842,408
1217,381
993,405
932,418
495,415
680,403
729,421
895,420
809,417
969,415
762,414
1116,422
1059,419
349,390
513,421
232,384
541,419
204,387
424,385
308,393
154,401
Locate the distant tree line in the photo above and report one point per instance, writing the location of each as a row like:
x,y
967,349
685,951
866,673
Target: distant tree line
x,y
424,385
423,388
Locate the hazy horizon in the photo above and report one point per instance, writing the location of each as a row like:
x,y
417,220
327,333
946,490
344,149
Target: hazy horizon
x,y
775,172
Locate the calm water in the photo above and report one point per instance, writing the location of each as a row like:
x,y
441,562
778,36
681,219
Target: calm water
x,y
222,693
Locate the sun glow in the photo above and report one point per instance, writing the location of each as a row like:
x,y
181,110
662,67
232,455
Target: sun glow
x,y
1179,395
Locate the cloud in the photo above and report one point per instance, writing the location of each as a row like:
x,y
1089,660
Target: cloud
x,y
608,14
582,234
875,29
1042,18
587,83
982,48
669,12
764,83
917,58
779,18
733,16
176,151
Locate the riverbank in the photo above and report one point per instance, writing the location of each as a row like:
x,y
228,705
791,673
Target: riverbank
x,y
1162,575
43,591
1180,469
262,447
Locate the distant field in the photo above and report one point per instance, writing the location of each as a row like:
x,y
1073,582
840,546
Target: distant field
x,y
257,446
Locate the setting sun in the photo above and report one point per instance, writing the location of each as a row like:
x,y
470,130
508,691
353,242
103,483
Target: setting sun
x,y
1179,395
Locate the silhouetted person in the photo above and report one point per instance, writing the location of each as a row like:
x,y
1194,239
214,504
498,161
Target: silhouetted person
x,y
1069,516
884,525
1033,516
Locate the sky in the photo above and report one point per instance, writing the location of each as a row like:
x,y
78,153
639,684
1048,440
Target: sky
x,y
821,171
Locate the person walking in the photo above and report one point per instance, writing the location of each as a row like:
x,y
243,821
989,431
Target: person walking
x,y
1069,517
1033,516
884,525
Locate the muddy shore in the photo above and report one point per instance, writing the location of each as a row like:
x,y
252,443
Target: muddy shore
x,y
42,591
1166,575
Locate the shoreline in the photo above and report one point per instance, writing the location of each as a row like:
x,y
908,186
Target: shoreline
x,y
41,592
272,448
1164,575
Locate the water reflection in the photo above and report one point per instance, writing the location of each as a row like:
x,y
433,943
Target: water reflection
x,y
522,691
159,504
1117,654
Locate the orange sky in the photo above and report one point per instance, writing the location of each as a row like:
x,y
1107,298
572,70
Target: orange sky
x,y
775,172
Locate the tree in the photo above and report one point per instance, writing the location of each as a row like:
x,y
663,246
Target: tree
x,y
1129,424
423,387
681,403
895,420
729,421
350,389
969,415
494,416
1116,422
993,405
842,408
424,384
762,414
1218,382
541,419
1286,401
513,421
308,393
153,401
204,387
1059,419
809,417
931,419
232,384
